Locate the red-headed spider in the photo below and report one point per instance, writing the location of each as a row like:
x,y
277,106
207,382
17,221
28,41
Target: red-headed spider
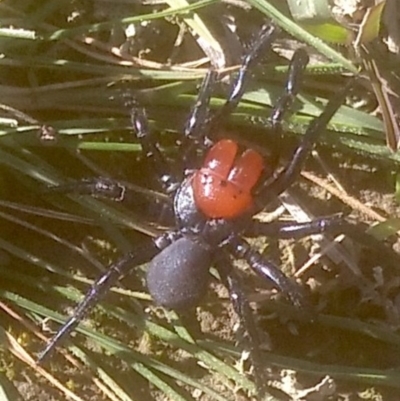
x,y
214,203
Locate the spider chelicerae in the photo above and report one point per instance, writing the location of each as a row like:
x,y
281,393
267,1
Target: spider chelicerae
x,y
214,204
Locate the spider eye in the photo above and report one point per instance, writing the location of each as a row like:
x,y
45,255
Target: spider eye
x,y
222,187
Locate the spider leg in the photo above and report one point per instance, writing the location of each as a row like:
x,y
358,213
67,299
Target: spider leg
x,y
150,149
242,249
103,187
242,308
98,187
199,127
297,66
131,195
142,254
280,182
285,230
196,129
107,188
333,225
196,125
264,40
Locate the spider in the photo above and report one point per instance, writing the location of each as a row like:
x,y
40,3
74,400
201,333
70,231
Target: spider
x,y
214,205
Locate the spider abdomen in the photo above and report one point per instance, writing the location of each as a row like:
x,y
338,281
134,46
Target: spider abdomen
x,y
178,276
223,186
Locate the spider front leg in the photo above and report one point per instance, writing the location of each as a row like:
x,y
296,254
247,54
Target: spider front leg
x,y
121,268
200,127
264,40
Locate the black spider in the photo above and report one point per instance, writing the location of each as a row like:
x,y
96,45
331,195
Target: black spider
x,y
214,205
